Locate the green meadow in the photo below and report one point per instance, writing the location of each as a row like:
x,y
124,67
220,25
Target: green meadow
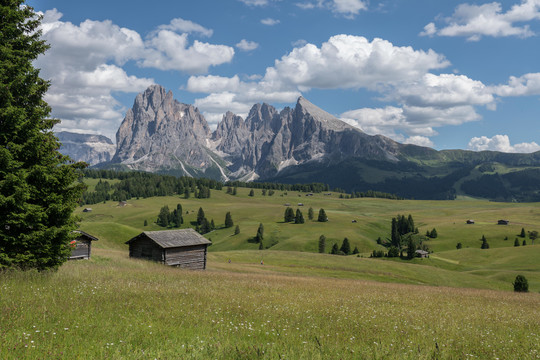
x,y
298,304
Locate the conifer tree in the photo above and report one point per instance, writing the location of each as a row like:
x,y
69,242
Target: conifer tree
x,y
200,216
237,230
522,232
252,193
228,220
335,249
299,218
310,213
516,242
145,222
163,217
260,233
322,244
521,284
38,185
356,251
322,216
289,215
345,247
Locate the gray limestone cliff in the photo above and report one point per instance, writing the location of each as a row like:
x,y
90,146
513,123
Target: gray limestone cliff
x,y
92,149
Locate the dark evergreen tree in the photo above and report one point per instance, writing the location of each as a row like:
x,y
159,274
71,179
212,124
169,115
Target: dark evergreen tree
x,y
395,236
200,216
516,242
459,246
261,246
299,218
163,217
411,248
521,284
229,190
237,230
485,244
345,247
186,193
289,215
145,222
212,225
263,192
356,251
410,224
522,232
335,249
524,242
433,234
260,233
322,216
205,226
38,185
228,220
252,193
310,213
393,251
322,244
235,191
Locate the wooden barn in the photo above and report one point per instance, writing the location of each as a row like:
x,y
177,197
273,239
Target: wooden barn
x,y
82,245
185,248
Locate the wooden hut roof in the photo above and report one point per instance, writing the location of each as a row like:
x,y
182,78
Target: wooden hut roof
x,y
85,235
174,238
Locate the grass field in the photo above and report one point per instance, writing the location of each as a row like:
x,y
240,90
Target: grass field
x,y
456,304
111,307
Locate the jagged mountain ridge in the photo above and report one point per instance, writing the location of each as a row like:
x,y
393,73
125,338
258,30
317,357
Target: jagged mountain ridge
x,y
92,149
162,134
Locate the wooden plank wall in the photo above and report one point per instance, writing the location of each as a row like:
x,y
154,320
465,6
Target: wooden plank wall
x,y
190,257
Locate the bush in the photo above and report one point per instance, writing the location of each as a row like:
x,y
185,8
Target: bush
x,y
521,284
459,246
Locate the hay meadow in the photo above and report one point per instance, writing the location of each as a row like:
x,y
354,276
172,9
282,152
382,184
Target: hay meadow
x,y
456,304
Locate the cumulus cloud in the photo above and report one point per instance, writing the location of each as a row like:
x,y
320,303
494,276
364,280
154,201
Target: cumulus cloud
x,y
346,8
186,26
525,85
84,66
475,21
246,45
501,143
257,2
420,141
270,22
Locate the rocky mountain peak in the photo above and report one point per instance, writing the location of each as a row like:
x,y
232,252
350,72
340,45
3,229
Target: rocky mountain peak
x,y
305,108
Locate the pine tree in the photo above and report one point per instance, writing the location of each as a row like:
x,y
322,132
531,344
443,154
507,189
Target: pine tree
x,y
212,225
433,234
299,218
459,246
322,216
237,230
200,216
322,244
356,251
524,242
252,193
335,249
345,247
516,242
485,244
235,191
186,193
289,215
411,248
163,217
228,220
521,284
145,222
260,233
522,232
38,185
310,213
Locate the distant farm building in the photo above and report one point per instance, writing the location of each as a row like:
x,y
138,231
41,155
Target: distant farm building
x,y
185,248
300,204
422,253
87,209
286,204
82,245
470,221
503,222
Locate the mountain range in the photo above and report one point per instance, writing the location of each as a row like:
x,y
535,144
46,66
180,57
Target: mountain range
x,y
300,144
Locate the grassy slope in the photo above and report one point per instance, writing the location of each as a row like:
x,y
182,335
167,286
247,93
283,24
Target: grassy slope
x,y
117,308
469,267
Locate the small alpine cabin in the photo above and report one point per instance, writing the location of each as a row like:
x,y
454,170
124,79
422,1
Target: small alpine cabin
x,y
185,248
82,245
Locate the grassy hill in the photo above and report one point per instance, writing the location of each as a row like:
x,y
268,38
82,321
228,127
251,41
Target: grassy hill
x,y
299,304
470,266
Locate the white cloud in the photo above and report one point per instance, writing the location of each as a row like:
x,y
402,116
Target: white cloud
x,y
167,50
256,2
270,22
186,26
419,140
475,21
347,61
246,45
84,66
501,143
348,8
528,84
212,83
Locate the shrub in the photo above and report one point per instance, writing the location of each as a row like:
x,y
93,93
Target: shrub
x,y
521,284
459,246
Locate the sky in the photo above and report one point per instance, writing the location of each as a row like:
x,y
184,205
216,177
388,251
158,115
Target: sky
x,y
444,74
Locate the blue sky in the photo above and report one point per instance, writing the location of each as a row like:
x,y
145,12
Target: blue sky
x,y
445,74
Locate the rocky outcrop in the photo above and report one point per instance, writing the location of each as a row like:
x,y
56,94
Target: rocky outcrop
x,y
161,134
92,149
